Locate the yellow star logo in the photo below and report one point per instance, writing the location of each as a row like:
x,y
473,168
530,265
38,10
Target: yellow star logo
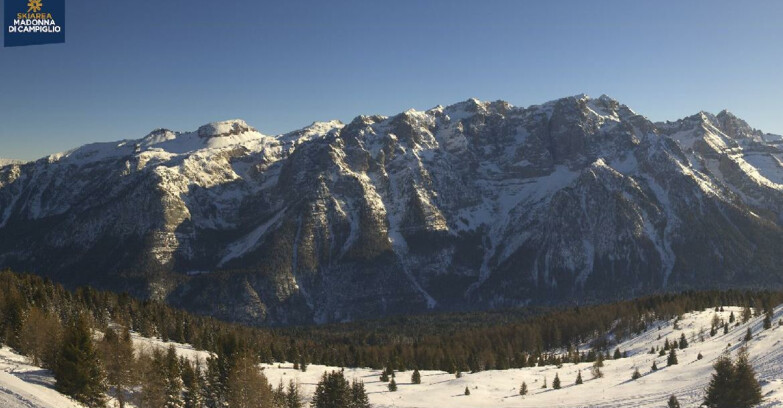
x,y
34,5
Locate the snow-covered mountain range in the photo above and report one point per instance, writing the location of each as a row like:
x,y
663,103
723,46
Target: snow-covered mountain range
x,y
474,205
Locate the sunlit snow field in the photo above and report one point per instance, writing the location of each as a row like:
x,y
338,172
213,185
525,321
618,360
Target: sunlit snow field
x,y
687,380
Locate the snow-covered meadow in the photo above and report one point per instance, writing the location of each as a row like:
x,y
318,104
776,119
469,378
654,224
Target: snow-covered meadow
x,y
687,380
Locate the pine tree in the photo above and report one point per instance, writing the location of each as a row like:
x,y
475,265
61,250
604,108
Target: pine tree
x,y
523,389
719,391
556,382
731,317
596,369
39,337
332,391
416,377
617,354
666,345
673,403
278,395
683,341
153,379
746,314
359,397
385,376
79,372
748,335
214,386
293,396
767,321
654,366
191,383
467,391
699,357
636,375
578,378
745,386
392,385
672,359
246,386
173,380
13,316
725,328
118,361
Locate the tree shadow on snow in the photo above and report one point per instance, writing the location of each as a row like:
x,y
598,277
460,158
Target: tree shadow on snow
x,y
40,377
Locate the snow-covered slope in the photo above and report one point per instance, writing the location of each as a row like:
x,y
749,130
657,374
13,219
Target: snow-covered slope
x,y
474,205
686,380
25,386
6,162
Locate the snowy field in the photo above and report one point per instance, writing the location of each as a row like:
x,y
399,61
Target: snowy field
x,y
687,380
26,386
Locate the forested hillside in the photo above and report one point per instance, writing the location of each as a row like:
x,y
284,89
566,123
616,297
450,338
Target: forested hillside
x,y
84,338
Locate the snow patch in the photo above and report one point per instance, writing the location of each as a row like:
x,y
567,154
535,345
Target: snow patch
x,y
249,241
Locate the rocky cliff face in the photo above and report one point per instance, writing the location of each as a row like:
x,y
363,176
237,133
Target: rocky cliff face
x,y
475,205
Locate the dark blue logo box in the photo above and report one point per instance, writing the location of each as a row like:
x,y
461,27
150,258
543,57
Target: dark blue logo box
x,y
32,22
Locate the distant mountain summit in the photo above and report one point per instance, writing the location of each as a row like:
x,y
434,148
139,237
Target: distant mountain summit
x,y
6,162
470,206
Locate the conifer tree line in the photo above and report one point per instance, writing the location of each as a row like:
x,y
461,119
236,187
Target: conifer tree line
x,y
57,330
88,370
473,342
53,326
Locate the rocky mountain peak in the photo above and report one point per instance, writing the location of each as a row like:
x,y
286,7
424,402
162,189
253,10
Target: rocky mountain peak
x,y
224,128
6,162
466,108
607,99
158,136
365,120
733,126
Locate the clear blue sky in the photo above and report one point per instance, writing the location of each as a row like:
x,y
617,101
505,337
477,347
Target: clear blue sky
x,y
130,66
